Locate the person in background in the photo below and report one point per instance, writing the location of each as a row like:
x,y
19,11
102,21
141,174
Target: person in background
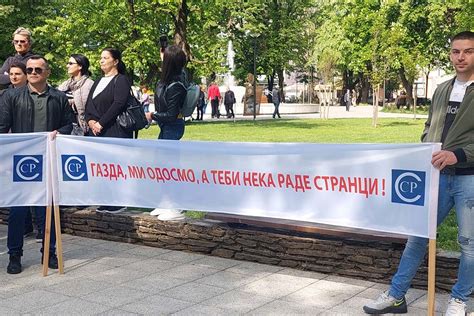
x,y
201,103
347,99
145,99
108,97
276,101
18,79
35,107
170,93
78,86
450,123
229,101
214,96
22,42
106,101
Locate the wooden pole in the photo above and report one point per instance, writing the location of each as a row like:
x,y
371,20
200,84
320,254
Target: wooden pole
x,y
47,235
59,243
431,276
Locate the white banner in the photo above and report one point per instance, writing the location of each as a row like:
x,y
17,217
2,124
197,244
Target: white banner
x,y
390,188
23,170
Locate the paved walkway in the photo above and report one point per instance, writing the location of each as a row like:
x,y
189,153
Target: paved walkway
x,y
334,112
110,278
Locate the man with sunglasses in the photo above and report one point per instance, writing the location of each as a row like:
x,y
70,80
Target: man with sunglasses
x,y
22,41
36,107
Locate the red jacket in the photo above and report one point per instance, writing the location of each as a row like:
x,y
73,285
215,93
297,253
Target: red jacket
x,y
213,92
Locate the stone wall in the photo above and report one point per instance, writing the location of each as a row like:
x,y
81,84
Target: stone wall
x,y
350,256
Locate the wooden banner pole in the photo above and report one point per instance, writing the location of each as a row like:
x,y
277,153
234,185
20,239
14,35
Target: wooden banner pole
x,y
59,243
47,235
431,276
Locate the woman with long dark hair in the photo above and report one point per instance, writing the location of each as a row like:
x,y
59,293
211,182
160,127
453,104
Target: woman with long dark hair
x,y
78,86
169,98
108,97
170,94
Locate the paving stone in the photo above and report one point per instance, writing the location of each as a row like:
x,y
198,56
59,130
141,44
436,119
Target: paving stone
x,y
115,246
8,312
229,280
303,274
156,305
190,272
277,285
119,275
74,306
199,310
86,269
279,307
80,287
116,296
324,294
193,292
119,259
154,283
117,312
152,265
147,251
216,262
340,279
31,301
253,268
441,302
238,301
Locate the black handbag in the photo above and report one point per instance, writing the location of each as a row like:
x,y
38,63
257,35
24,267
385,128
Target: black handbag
x,y
133,118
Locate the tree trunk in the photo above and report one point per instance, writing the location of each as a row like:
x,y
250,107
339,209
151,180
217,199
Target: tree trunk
x,y
181,23
134,32
281,81
407,85
364,89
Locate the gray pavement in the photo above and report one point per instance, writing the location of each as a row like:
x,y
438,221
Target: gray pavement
x,y
361,111
110,278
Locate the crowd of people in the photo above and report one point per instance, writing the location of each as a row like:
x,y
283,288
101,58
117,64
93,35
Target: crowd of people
x,y
30,104
81,106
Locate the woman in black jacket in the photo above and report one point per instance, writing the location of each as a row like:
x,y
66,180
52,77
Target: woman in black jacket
x,y
108,97
170,94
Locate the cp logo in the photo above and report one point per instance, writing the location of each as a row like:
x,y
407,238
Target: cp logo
x,y
74,168
27,168
408,187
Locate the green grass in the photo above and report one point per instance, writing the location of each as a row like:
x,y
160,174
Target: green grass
x,y
393,109
314,131
308,131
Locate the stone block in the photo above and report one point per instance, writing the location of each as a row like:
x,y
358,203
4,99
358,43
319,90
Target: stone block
x,y
224,253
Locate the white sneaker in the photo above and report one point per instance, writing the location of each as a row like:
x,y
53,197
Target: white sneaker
x,y
455,307
171,215
158,211
385,304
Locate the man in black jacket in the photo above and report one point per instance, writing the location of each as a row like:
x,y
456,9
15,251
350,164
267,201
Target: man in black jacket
x,y
35,107
229,100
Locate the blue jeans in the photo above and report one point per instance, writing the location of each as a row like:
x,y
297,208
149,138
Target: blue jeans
x,y
171,130
457,191
16,226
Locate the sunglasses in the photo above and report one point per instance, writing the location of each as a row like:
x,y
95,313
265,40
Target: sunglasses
x,y
37,70
71,63
22,42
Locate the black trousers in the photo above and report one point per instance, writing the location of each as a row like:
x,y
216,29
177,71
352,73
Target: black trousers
x,y
215,108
